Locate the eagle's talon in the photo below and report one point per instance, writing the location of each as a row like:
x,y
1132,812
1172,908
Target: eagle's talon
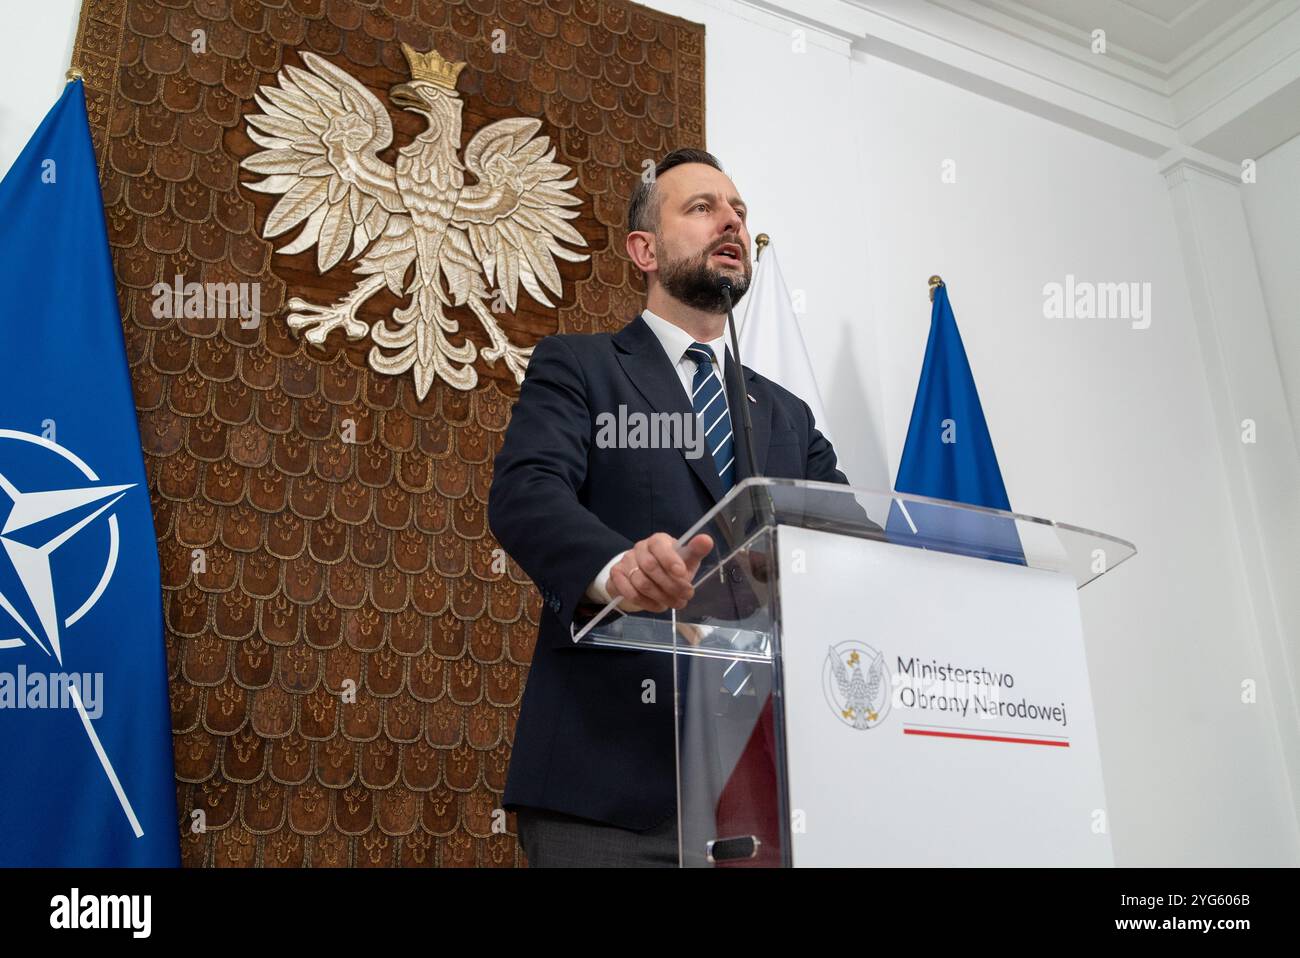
x,y
516,357
517,361
317,322
325,320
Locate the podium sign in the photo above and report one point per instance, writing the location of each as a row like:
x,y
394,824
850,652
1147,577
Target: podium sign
x,y
867,678
978,746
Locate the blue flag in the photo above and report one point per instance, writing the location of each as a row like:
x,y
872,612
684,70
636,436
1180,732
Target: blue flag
x,y
86,774
949,455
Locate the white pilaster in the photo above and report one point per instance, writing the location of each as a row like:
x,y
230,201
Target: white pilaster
x,y
1245,384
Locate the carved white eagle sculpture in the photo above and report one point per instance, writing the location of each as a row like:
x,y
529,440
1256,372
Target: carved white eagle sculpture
x,y
321,131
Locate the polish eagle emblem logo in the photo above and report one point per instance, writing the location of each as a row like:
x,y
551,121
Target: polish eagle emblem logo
x,y
860,698
414,227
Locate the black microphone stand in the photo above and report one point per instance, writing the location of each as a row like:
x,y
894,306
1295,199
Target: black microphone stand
x,y
747,421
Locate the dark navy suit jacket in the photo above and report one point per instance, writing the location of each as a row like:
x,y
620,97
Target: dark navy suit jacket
x,y
586,743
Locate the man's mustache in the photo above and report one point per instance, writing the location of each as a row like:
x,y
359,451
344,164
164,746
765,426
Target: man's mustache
x,y
734,241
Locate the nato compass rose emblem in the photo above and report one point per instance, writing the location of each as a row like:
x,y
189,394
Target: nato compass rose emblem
x,y
856,683
34,525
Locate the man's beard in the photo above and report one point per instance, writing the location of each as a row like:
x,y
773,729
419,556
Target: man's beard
x,y
697,283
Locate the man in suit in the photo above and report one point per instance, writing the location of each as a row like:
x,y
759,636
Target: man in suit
x,y
592,774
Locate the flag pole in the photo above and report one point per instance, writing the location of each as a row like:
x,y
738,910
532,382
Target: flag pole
x,y
760,244
935,282
71,76
104,761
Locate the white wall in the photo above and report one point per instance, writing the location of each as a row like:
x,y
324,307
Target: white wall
x,y
33,61
1095,423
1273,213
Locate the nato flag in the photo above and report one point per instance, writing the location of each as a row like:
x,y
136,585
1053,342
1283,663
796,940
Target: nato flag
x,y
949,455
86,775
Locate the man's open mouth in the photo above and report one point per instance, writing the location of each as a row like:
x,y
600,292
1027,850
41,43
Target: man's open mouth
x,y
728,251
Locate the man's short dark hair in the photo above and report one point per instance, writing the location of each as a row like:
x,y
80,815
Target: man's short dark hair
x,y
643,208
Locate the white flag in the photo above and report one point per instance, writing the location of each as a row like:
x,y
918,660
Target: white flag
x,y
770,340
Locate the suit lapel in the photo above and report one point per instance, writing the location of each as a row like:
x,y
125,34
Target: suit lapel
x,y
647,366
760,412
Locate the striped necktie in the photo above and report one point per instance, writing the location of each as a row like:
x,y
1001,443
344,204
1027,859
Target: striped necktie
x,y
709,400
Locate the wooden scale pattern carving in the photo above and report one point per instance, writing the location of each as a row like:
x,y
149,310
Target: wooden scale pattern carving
x,y
324,562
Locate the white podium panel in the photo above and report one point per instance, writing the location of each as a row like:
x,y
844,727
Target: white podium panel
x,y
936,709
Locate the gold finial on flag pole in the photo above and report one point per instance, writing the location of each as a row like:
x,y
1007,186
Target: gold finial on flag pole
x,y
73,74
935,283
760,244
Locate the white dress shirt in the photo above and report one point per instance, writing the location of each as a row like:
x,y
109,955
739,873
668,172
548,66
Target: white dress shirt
x,y
675,342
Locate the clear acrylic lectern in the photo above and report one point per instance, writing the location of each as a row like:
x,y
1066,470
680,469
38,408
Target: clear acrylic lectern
x,y
842,561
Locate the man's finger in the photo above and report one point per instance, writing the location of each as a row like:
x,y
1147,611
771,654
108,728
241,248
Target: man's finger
x,y
665,550
699,545
648,561
620,579
649,588
634,599
695,551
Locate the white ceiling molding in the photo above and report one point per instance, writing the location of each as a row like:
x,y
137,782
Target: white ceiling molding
x,y
1156,37
1218,76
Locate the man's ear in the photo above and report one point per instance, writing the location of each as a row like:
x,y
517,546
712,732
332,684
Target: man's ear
x,y
641,250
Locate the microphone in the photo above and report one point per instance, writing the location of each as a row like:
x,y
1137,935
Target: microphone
x,y
725,285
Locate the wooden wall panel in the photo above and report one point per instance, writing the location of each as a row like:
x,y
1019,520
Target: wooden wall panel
x,y
297,565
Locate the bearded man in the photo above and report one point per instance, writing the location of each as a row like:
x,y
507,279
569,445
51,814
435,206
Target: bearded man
x,y
592,777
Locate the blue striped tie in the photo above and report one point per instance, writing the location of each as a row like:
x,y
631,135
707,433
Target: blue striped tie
x,y
710,402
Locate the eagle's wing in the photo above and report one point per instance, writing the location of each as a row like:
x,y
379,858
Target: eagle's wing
x,y
839,671
873,678
321,130
512,216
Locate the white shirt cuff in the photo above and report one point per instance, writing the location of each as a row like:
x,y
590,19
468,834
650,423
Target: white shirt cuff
x,y
598,591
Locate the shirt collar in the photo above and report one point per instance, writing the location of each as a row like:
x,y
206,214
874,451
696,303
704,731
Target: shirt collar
x,y
676,340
